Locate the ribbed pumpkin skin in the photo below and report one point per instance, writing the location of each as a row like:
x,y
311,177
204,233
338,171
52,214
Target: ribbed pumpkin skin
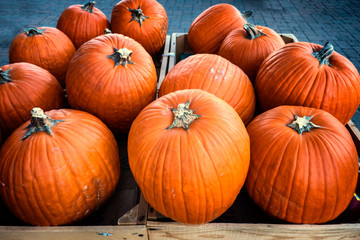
x,y
308,178
210,28
215,75
194,175
152,32
249,54
51,50
80,25
58,179
31,86
292,76
115,94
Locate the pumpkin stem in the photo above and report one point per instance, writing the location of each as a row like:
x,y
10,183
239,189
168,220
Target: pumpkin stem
x,y
107,31
302,124
183,116
324,54
89,6
4,76
121,56
40,122
247,14
252,31
33,31
137,15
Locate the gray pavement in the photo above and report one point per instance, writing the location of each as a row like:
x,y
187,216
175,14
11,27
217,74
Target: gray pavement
x,y
315,21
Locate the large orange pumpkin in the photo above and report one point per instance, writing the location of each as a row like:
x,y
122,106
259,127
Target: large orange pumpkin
x,y
189,153
22,87
82,22
307,74
211,27
216,75
60,168
46,47
249,46
112,77
304,164
143,20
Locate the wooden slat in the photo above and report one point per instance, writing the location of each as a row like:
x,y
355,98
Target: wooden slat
x,y
136,232
231,231
355,134
164,64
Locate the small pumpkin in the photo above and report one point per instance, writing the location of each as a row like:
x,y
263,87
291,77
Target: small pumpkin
x,y
189,154
46,47
211,27
304,164
112,77
311,75
215,75
59,167
22,87
82,23
143,20
248,47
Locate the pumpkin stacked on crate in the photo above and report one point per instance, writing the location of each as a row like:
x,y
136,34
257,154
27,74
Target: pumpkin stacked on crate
x,y
189,152
23,86
46,47
113,77
82,23
304,164
58,167
143,20
216,75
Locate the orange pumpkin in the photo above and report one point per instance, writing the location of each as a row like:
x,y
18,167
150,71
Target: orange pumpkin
x,y
249,46
211,27
143,20
22,87
215,75
82,23
46,47
189,154
311,75
304,164
112,77
60,169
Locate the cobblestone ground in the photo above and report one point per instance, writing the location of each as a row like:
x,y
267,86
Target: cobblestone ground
x,y
316,21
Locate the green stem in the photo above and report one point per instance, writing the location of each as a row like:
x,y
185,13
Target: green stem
x,y
183,116
324,54
252,32
302,124
33,31
137,15
40,122
89,7
4,76
107,31
121,56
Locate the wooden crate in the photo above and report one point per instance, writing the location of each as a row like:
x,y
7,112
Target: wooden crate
x,y
128,216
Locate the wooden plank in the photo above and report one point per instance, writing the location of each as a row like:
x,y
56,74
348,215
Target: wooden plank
x,y
232,231
355,134
172,60
164,64
137,232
